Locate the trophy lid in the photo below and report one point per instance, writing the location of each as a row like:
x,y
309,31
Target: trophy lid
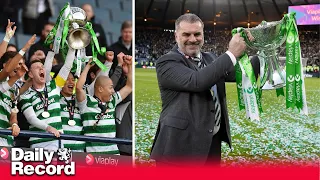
x,y
78,15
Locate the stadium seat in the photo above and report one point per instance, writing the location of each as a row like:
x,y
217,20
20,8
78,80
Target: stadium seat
x,y
109,38
22,40
115,37
102,16
115,28
119,16
127,5
79,3
62,2
114,4
19,23
12,40
57,9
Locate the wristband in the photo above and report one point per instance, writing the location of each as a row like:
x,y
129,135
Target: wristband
x,y
21,52
8,36
6,39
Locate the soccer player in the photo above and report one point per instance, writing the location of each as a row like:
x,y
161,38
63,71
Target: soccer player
x,y
41,102
8,98
98,111
70,113
13,66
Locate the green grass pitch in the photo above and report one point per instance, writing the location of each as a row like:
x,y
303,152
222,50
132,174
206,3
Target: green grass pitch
x,y
281,135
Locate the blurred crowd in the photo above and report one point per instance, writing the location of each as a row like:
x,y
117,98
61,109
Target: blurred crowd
x,y
151,44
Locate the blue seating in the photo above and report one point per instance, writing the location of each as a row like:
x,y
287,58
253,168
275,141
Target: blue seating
x,y
115,37
114,4
115,27
22,40
79,3
127,5
62,2
102,16
109,38
118,16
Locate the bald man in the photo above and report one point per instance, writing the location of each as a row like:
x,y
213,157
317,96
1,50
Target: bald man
x,y
98,111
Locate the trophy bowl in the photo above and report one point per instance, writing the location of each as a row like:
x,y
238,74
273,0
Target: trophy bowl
x,y
268,37
78,36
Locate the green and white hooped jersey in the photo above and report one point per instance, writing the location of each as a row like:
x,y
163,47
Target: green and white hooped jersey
x,y
5,111
77,129
31,99
105,128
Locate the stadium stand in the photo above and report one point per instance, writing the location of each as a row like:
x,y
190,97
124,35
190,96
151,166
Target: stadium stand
x,y
79,3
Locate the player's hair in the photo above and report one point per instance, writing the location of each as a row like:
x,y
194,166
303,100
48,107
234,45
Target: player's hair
x,y
126,24
188,17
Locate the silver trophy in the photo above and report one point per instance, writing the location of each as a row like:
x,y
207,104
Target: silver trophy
x,y
78,36
268,37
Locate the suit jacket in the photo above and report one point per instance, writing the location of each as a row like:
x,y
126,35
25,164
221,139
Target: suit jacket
x,y
187,119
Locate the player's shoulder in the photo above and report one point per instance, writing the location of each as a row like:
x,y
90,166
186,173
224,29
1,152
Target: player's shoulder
x,y
91,101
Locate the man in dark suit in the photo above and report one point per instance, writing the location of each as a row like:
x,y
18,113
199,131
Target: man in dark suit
x,y
194,118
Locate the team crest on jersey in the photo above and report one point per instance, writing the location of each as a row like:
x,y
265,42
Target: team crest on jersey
x,y
110,105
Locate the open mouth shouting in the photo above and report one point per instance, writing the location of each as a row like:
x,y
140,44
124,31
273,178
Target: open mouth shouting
x,y
70,87
41,75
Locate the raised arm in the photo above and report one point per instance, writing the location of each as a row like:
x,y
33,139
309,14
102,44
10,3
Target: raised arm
x,y
118,70
115,76
12,63
127,89
9,34
5,86
65,70
25,86
80,93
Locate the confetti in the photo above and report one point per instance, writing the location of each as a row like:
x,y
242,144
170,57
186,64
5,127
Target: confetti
x,y
282,135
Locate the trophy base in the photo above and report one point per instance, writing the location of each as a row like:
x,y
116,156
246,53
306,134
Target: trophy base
x,y
276,86
268,86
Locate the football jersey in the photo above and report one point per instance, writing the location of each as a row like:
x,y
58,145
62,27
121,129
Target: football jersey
x,y
90,114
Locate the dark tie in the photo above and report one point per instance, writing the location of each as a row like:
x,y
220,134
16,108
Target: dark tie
x,y
217,107
198,62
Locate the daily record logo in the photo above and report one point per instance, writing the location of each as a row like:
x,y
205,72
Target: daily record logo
x,y
43,161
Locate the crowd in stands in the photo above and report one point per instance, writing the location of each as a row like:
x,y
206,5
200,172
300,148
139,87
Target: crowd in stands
x,y
151,44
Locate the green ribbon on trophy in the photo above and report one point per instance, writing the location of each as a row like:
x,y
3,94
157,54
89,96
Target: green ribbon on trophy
x,y
268,36
249,92
295,82
73,31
